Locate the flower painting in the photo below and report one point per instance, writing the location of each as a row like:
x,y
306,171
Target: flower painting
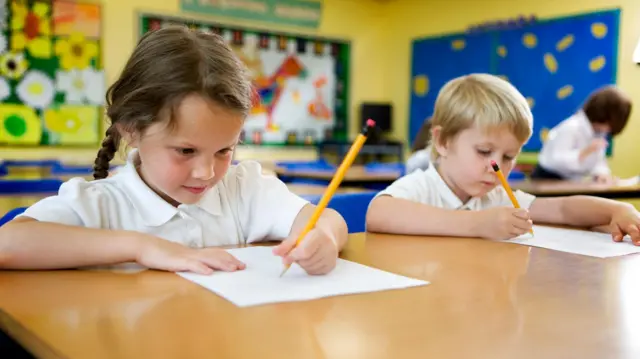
x,y
52,84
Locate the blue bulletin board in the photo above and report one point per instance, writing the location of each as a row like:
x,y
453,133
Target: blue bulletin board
x,y
554,63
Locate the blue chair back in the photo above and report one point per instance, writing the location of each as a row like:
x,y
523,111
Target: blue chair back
x,y
351,206
11,215
39,185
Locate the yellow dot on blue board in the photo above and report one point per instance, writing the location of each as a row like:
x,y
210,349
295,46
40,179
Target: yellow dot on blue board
x,y
544,134
597,63
598,30
531,102
421,85
565,43
502,51
529,40
458,44
564,92
550,63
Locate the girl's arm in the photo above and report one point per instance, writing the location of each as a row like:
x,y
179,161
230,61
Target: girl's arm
x,y
26,243
387,214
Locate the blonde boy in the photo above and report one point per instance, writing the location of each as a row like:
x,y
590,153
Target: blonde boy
x,y
479,118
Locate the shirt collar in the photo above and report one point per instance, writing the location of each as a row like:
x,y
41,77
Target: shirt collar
x,y
447,195
154,210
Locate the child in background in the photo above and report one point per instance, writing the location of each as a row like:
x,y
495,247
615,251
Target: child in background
x,y
420,152
180,103
477,119
576,147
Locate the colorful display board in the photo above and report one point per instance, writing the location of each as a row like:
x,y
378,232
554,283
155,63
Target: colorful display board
x,y
554,63
302,82
52,85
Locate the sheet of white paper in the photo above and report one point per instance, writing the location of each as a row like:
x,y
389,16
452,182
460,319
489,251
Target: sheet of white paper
x,y
260,281
586,243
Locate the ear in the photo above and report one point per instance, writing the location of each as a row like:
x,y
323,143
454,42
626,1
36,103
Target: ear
x,y
441,148
130,137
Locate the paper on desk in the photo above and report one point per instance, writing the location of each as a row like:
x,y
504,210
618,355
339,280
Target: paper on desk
x,y
593,244
260,281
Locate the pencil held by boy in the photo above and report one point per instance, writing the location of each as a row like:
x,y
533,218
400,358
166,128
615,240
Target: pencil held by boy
x,y
478,119
576,148
180,103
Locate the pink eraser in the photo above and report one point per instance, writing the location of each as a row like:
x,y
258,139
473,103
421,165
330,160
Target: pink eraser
x,y
371,123
493,163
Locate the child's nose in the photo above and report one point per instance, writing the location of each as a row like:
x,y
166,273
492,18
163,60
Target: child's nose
x,y
204,170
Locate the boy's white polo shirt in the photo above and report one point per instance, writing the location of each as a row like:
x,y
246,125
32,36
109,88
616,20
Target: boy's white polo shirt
x,y
428,187
245,206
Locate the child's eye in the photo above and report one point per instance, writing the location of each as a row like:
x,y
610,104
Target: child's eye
x,y
185,151
225,151
508,158
484,152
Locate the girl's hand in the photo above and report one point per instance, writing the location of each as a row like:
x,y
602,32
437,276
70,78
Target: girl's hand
x,y
161,254
317,254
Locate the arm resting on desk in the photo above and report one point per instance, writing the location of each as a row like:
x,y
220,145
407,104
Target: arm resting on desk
x,y
387,214
578,211
29,244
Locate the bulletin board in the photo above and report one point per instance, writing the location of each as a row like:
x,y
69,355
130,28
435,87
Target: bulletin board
x,y
52,83
302,82
554,63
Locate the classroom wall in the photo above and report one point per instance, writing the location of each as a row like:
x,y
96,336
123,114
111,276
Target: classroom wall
x,y
366,30
421,18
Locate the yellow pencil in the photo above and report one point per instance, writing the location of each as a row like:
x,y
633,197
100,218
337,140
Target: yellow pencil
x,y
335,182
506,186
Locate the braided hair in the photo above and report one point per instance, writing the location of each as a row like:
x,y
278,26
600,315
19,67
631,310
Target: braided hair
x,y
166,66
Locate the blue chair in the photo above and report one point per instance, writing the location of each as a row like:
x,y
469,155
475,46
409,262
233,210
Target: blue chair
x,y
11,215
320,165
351,206
378,167
60,169
39,185
516,175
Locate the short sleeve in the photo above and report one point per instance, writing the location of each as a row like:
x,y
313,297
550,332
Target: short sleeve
x,y
267,209
413,187
78,203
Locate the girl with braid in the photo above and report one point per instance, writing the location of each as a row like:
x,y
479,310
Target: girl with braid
x,y
179,104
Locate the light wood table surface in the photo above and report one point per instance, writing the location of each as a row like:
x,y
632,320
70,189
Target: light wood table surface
x,y
353,174
567,188
485,300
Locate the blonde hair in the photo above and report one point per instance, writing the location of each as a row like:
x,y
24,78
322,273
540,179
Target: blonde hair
x,y
481,100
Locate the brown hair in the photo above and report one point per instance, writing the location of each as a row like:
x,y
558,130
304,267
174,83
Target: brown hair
x,y
166,66
608,105
422,137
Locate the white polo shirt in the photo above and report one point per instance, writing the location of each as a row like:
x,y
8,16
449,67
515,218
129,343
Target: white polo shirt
x,y
428,187
561,150
245,206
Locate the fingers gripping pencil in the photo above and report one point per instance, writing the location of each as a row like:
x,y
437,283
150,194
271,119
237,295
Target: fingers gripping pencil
x,y
335,182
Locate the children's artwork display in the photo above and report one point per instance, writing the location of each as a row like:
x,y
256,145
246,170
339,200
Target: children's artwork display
x,y
301,83
52,85
554,63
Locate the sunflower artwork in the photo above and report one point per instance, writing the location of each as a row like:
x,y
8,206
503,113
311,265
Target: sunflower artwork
x,y
52,85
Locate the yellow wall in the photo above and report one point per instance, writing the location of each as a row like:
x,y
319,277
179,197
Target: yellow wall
x,y
366,31
420,18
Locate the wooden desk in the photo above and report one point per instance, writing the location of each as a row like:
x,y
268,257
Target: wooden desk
x,y
566,188
486,300
355,175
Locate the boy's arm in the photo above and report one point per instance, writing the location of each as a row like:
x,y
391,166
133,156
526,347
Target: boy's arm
x,y
26,243
578,211
387,214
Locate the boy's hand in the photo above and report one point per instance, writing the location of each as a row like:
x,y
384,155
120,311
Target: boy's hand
x,y
161,254
504,223
625,221
316,254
